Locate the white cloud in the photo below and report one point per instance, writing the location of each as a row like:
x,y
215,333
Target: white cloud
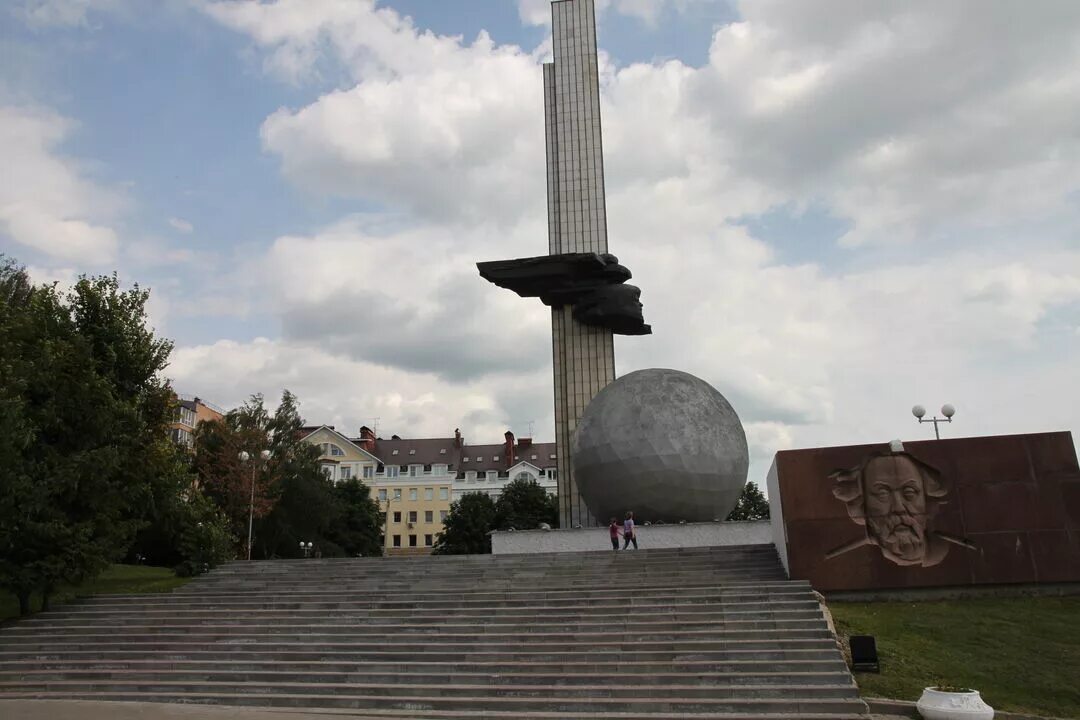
x,y
46,202
338,391
181,225
432,125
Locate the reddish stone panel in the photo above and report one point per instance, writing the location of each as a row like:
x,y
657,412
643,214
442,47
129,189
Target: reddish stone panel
x,y
951,512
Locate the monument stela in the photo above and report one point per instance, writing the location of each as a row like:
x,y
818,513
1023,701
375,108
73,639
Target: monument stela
x,y
578,279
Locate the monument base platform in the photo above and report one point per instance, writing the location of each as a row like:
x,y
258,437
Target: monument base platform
x,y
710,534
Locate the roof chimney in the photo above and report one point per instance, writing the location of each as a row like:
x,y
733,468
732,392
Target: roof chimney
x,y
367,439
457,438
508,448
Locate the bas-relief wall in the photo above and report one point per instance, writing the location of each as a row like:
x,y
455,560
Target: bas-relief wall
x,y
966,511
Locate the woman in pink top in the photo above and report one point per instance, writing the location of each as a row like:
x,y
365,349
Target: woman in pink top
x,y
629,536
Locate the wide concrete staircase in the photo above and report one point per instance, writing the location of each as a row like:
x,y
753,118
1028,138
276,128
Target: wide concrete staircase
x,y
688,633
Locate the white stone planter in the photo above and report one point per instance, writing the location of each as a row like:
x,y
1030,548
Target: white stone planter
x,y
940,705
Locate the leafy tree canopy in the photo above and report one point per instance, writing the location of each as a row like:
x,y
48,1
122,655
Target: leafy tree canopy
x,y
752,504
524,505
84,420
467,525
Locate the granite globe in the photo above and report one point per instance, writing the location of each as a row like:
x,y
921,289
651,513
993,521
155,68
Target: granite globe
x,y
662,443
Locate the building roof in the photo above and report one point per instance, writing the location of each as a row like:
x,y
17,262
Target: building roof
x,y
419,451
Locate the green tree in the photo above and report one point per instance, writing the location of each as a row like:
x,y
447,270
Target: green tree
x,y
85,420
524,505
358,528
752,504
293,500
467,525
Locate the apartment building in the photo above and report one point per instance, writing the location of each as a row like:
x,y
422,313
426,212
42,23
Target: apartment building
x,y
191,411
416,480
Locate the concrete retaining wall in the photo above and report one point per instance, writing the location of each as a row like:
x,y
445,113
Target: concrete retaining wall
x,y
653,536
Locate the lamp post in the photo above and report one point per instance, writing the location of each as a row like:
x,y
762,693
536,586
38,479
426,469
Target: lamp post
x,y
947,410
244,457
306,549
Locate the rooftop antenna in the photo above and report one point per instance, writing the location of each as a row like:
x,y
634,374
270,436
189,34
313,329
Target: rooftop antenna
x,y
375,426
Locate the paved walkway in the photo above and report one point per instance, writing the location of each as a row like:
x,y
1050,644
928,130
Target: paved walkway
x,y
92,710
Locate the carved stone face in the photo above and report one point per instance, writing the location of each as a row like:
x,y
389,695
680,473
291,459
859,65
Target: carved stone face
x,y
894,496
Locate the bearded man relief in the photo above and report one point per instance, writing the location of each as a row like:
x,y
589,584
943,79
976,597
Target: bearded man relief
x,y
895,497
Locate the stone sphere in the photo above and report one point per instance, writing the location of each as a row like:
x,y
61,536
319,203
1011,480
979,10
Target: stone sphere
x,y
663,444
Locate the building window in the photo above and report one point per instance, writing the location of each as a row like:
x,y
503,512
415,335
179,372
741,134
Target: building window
x,y
412,452
328,471
369,472
444,493
391,471
465,459
382,495
427,469
412,541
394,452
331,449
429,516
397,516
405,469
533,457
552,473
442,451
397,493
412,516
414,470
492,475
429,493
442,516
346,472
552,456
470,476
428,540
397,541
494,458
479,459
412,493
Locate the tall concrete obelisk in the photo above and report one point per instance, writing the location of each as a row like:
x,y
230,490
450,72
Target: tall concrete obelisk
x,y
583,355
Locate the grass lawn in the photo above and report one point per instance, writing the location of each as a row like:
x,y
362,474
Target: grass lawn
x,y
1022,654
116,579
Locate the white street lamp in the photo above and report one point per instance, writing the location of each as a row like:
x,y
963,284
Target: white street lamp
x,y
948,410
244,456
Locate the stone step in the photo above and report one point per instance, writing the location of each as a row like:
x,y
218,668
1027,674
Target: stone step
x,y
690,643
432,584
615,676
380,636
601,554
363,625
819,651
769,590
644,604
567,670
447,691
752,707
359,616
380,714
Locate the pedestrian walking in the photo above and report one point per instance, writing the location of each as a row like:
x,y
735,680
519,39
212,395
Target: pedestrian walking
x,y
628,533
614,532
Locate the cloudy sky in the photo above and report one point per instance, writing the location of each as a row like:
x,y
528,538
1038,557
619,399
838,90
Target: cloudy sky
x,y
834,209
